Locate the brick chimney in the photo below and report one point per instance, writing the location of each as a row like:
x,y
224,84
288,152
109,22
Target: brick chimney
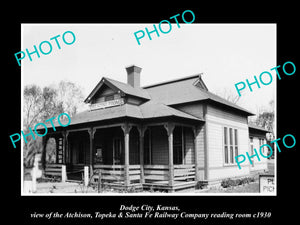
x,y
134,76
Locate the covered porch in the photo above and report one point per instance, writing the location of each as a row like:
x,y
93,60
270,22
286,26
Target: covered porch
x,y
153,155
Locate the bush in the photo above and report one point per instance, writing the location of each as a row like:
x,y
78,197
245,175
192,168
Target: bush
x,y
230,182
227,183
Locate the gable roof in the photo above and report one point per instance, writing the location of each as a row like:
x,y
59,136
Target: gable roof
x,y
118,86
188,89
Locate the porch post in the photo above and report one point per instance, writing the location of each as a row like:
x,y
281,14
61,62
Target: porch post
x,y
196,131
91,133
68,154
142,130
170,127
126,129
64,147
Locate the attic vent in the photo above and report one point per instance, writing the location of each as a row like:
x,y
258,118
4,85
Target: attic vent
x,y
199,83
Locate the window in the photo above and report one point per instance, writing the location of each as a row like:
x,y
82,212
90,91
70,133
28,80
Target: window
x,y
252,150
109,97
230,145
226,145
99,155
117,96
261,142
236,148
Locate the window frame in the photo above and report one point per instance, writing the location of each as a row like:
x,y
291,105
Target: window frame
x,y
230,145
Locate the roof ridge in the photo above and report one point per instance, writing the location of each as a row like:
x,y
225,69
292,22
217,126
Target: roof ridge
x,y
108,78
134,88
173,81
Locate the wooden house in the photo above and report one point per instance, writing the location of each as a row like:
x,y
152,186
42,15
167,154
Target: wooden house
x,y
167,136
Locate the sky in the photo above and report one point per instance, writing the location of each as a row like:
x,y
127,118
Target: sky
x,y
225,53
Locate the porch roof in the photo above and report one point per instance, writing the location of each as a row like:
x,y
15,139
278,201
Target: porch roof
x,y
253,127
148,110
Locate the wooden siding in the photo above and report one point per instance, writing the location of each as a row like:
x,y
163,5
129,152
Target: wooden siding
x,y
189,146
159,146
105,91
216,119
200,152
227,114
218,170
228,172
194,109
133,100
215,144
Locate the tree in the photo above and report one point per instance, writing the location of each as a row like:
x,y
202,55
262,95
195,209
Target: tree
x,y
265,118
40,105
228,95
69,96
33,105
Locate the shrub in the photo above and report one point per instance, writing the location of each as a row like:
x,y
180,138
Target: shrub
x,y
234,182
227,183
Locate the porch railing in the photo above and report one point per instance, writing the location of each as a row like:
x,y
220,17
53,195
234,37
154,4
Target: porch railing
x,y
184,172
53,170
116,173
160,173
156,173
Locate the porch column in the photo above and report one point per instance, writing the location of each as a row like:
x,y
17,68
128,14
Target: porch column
x,y
142,130
196,131
64,147
91,133
126,129
170,127
68,154
65,155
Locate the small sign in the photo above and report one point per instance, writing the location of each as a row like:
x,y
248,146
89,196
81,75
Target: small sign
x,y
102,105
267,184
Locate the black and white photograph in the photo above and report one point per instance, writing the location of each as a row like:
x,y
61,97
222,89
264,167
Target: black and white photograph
x,y
160,117
174,118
